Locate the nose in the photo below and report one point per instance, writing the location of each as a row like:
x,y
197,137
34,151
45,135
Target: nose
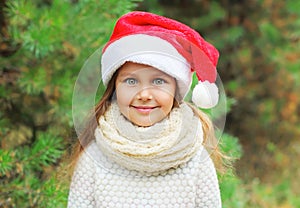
x,y
145,94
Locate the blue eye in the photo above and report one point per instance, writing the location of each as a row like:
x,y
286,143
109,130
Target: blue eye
x,y
159,81
130,81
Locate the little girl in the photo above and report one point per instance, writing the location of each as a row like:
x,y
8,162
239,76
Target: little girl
x,y
149,148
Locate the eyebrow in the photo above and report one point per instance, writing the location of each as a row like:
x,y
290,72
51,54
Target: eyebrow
x,y
155,74
124,74
163,75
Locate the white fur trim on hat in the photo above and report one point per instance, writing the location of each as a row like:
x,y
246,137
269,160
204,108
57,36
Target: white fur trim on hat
x,y
205,95
148,50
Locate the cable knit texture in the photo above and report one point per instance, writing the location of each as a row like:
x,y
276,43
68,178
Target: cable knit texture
x,y
106,180
159,147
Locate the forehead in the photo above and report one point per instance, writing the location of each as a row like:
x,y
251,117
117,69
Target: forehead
x,y
130,68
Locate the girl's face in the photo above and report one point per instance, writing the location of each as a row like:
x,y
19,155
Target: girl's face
x,y
145,95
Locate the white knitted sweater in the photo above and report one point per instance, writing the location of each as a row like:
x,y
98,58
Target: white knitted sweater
x,y
101,180
109,185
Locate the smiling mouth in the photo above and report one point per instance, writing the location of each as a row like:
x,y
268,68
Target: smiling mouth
x,y
144,109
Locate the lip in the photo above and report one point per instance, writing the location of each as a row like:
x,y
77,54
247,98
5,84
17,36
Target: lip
x,y
144,109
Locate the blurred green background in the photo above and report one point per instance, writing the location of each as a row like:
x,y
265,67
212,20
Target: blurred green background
x,y
44,44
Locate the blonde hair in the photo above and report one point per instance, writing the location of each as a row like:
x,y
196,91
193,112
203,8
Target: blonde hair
x,y
210,142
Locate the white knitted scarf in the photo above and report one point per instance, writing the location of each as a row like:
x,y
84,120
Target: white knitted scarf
x,y
164,145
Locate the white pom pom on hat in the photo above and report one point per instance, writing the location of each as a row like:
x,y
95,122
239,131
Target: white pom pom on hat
x,y
167,45
205,95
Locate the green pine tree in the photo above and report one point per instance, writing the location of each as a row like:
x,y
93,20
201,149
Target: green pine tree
x,y
44,44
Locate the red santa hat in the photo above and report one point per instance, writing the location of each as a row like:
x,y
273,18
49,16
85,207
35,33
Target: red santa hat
x,y
167,45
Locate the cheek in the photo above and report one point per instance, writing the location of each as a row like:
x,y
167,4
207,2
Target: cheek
x,y
166,100
124,95
167,94
123,102
122,99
